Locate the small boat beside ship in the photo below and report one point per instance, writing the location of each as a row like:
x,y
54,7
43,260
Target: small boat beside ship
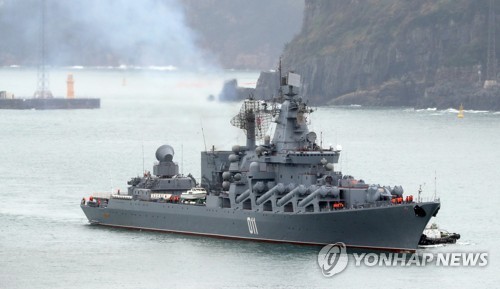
x,y
433,235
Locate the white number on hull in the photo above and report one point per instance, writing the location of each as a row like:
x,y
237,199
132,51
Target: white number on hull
x,y
252,226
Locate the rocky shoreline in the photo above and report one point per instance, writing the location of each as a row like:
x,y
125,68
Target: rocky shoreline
x,y
394,93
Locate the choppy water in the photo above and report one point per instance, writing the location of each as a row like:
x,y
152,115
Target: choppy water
x,y
50,159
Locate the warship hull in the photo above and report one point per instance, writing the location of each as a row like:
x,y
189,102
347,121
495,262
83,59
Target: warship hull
x,y
389,228
50,103
283,190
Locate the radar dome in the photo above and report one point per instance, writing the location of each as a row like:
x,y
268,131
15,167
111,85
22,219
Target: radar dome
x,y
254,168
165,153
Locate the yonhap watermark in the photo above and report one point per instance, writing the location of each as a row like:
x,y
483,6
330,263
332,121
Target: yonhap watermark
x,y
454,259
333,259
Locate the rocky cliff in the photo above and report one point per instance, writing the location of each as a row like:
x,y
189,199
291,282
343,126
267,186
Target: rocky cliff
x,y
390,52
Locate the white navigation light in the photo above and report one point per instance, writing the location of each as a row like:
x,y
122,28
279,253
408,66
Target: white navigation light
x,y
338,148
293,79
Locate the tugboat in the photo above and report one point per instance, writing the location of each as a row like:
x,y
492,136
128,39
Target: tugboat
x,y
433,235
286,189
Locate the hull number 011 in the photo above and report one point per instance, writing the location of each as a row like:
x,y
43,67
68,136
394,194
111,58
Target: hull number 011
x,y
252,226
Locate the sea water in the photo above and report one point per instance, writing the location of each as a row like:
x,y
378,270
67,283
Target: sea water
x,y
50,159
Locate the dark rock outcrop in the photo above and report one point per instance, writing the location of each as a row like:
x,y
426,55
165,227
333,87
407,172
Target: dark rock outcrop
x,y
267,88
232,92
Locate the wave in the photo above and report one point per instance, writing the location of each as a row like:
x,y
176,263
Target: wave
x,y
151,67
427,109
162,68
477,111
11,66
126,67
109,67
455,111
449,110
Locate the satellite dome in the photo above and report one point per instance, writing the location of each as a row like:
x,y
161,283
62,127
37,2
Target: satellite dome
x,y
165,153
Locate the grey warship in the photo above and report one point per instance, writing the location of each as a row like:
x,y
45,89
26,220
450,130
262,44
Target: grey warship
x,y
284,189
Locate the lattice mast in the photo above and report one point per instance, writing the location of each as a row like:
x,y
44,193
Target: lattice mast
x,y
491,64
42,90
254,119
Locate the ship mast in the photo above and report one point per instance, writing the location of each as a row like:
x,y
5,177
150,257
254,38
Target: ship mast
x,y
491,64
43,90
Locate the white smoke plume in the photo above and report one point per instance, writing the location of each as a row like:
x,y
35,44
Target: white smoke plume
x,y
102,32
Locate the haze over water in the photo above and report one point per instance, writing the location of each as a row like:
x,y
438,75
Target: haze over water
x,y
49,160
